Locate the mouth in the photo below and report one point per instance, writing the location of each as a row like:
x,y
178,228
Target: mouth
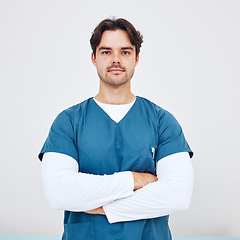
x,y
117,70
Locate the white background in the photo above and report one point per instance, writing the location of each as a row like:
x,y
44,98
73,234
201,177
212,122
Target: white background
x,y
189,65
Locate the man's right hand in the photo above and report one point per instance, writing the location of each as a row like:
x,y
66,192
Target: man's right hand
x,y
142,179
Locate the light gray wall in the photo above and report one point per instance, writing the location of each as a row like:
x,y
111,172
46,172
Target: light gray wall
x,y
189,64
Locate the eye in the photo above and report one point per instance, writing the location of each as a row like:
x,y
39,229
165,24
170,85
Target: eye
x,y
106,52
125,53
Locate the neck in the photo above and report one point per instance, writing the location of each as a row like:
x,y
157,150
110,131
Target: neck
x,y
115,94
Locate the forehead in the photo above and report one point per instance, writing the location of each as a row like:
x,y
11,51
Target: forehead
x,y
115,39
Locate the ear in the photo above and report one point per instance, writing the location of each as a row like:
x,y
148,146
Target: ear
x,y
93,59
137,59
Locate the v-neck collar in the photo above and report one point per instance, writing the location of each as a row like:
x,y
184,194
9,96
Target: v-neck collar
x,y
106,114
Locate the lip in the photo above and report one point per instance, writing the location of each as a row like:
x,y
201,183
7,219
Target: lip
x,y
115,70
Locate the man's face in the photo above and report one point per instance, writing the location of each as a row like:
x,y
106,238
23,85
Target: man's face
x,y
115,58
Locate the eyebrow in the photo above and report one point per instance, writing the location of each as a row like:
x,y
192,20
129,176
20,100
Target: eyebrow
x,y
122,48
127,48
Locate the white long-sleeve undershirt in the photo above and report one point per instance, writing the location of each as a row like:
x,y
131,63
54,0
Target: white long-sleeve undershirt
x,y
67,189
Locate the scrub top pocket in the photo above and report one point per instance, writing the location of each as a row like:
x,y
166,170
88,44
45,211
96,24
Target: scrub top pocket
x,y
79,231
146,162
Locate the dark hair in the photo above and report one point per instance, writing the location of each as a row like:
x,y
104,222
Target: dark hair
x,y
113,24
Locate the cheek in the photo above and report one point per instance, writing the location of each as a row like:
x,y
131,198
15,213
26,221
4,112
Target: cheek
x,y
131,61
132,65
102,63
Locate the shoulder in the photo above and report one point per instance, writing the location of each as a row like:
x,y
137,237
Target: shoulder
x,y
72,112
75,109
159,111
166,122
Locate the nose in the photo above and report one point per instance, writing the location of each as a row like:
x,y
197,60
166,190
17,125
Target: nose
x,y
116,59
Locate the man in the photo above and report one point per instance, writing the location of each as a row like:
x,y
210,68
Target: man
x,y
116,163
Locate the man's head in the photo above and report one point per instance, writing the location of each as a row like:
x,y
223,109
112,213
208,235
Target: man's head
x,y
135,36
116,45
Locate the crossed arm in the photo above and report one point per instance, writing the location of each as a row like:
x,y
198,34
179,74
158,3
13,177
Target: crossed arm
x,y
114,195
140,180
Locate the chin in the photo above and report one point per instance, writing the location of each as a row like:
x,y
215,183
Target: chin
x,y
116,82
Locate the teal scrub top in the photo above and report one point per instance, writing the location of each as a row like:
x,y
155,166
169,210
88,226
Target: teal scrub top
x,y
101,146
